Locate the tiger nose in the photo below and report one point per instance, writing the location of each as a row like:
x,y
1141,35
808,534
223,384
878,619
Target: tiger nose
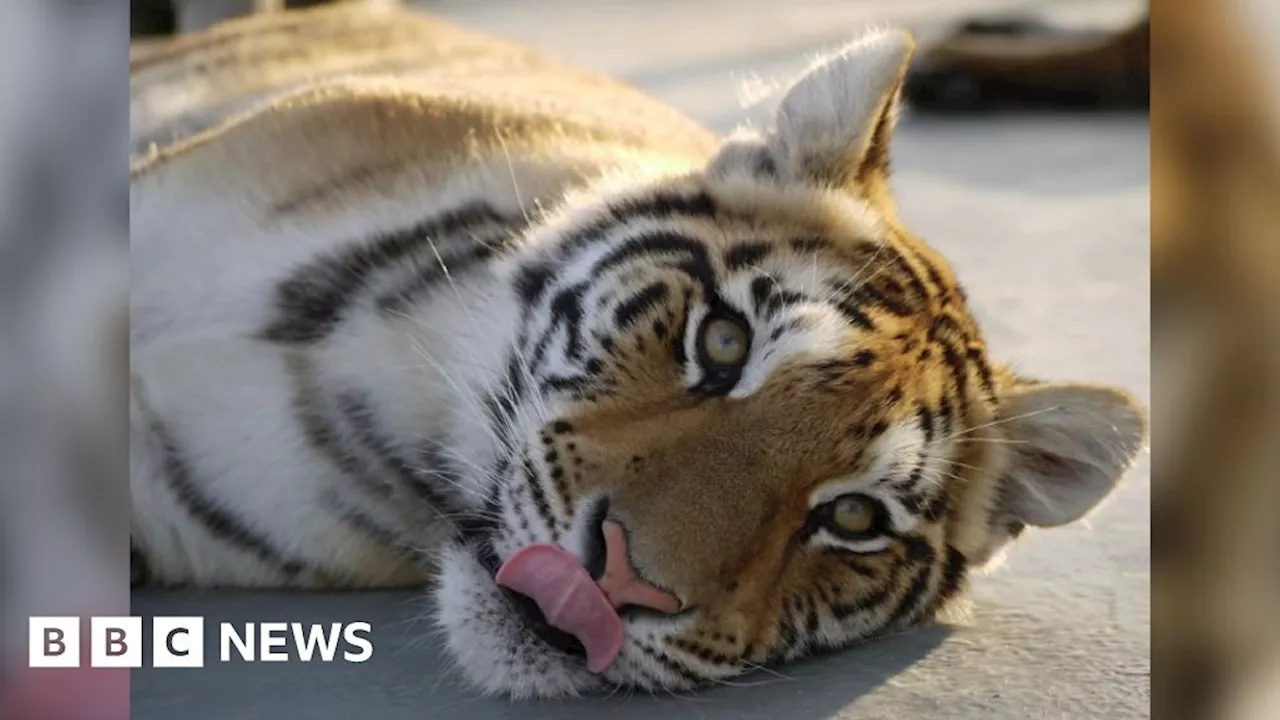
x,y
620,581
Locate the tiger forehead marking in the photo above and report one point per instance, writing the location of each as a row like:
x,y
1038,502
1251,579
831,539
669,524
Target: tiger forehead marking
x,y
418,321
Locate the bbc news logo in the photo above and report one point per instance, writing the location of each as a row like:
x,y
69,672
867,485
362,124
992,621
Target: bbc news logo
x,y
178,642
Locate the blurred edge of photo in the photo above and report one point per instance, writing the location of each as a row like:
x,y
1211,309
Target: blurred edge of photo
x,y
1215,146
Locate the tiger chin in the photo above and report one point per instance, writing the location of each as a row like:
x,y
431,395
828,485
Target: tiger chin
x,y
638,405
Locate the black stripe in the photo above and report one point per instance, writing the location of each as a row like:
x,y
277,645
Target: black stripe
x,y
868,294
703,653
655,243
539,497
566,307
342,428
630,310
746,255
877,429
925,416
218,521
532,282
861,604
919,558
566,310
670,665
663,205
367,526
787,638
900,261
520,509
370,527
913,478
321,428
699,269
642,677
810,244
959,370
934,276
647,679
539,354
854,314
953,574
360,418
854,561
946,413
563,383
912,601
761,291
403,297
917,551
500,403
811,619
944,326
433,469
311,301
985,375
783,298
912,502
936,506
475,527
850,308
682,328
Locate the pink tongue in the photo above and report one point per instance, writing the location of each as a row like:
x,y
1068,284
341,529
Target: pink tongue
x,y
569,598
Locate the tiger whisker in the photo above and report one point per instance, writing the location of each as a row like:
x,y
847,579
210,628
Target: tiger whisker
x,y
1001,421
841,290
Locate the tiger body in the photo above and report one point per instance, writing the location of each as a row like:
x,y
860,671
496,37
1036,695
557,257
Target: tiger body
x,y
406,300
467,148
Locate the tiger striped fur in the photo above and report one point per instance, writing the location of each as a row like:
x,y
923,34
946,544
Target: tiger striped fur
x,y
408,299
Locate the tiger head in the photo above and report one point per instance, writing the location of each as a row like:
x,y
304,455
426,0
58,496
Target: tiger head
x,y
749,416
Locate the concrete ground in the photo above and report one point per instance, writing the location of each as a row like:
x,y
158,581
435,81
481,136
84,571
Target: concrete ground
x,y
1047,222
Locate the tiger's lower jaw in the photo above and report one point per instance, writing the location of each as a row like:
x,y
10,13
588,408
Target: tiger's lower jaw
x,y
492,645
498,652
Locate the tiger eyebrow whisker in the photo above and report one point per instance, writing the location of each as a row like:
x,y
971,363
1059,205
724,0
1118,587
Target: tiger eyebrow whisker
x,y
932,474
841,290
1001,421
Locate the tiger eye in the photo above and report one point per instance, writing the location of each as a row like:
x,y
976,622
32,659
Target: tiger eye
x,y
854,514
724,342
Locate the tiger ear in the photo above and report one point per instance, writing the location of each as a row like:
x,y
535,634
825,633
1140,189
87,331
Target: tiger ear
x,y
833,124
1068,447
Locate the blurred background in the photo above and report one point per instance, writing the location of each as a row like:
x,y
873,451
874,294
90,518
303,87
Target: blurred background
x,y
1214,314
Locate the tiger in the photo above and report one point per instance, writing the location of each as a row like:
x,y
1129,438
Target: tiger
x,y
634,404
